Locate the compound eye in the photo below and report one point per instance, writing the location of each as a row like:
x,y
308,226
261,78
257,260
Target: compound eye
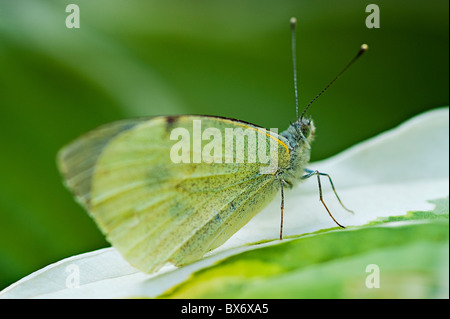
x,y
306,129
305,126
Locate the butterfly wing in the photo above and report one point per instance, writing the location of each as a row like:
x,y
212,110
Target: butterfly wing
x,y
154,210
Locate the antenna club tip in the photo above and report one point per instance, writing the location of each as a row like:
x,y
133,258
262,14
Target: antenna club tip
x,y
293,20
364,47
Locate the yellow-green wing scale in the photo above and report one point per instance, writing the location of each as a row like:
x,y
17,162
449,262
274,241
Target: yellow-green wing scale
x,y
155,211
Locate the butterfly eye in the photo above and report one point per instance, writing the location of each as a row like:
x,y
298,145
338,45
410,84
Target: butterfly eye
x,y
305,126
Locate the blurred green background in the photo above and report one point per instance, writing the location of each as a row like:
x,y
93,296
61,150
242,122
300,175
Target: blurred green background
x,y
228,58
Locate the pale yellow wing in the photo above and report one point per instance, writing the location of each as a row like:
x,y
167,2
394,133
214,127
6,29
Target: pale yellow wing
x,y
156,211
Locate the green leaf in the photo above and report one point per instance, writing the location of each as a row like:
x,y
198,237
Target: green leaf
x,y
332,264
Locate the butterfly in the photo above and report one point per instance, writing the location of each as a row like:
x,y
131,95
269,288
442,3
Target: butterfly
x,y
161,190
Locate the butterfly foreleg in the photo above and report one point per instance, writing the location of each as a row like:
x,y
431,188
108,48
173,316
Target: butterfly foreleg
x,y
310,173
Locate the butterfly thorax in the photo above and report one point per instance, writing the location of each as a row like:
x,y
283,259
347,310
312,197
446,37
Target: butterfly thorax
x,y
300,134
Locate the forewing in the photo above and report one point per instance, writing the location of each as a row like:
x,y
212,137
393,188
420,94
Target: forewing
x,y
154,210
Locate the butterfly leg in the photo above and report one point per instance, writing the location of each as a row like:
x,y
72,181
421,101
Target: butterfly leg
x,y
282,209
317,173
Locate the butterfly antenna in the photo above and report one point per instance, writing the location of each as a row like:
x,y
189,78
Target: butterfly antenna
x,y
363,49
294,62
